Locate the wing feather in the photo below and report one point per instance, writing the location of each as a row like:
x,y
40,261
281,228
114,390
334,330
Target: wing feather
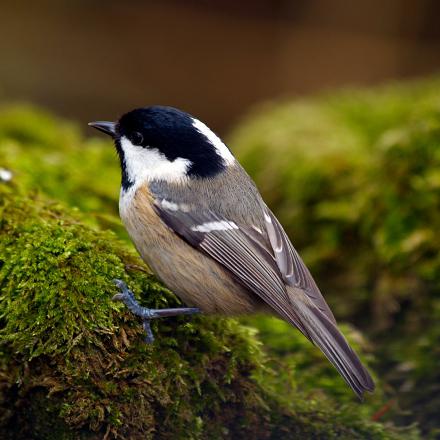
x,y
292,268
273,270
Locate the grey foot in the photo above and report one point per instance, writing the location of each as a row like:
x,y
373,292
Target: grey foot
x,y
127,297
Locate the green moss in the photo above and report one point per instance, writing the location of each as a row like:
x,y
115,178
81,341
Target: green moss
x,y
50,154
74,365
354,178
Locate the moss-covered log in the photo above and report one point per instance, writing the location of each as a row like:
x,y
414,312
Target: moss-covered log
x,y
74,365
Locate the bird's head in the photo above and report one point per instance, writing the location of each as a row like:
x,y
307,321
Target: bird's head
x,y
163,143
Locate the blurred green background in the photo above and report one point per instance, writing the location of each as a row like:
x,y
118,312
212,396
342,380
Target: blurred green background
x,y
352,174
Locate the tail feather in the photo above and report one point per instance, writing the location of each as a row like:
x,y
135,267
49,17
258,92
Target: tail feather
x,y
324,333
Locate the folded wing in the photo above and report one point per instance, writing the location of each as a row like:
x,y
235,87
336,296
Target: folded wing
x,y
276,274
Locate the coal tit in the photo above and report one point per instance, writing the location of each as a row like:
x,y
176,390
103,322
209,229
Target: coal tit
x,y
198,220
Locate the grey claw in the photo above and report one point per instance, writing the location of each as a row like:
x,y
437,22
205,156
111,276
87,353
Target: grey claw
x,y
149,337
127,297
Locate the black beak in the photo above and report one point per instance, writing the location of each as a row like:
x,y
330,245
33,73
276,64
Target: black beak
x,y
104,126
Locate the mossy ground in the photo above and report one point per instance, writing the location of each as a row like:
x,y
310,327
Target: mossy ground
x,y
73,363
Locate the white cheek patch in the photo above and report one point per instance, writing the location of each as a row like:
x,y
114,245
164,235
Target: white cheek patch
x,y
215,226
146,164
221,149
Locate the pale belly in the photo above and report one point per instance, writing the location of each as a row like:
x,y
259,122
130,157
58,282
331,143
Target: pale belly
x,y
197,279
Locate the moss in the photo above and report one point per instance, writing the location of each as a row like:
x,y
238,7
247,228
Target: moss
x,y
354,177
74,365
50,154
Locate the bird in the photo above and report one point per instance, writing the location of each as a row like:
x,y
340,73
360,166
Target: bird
x,y
198,220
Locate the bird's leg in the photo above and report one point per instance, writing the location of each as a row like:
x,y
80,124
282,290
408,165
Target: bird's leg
x,y
127,297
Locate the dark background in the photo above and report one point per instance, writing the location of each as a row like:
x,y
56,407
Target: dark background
x,y
96,59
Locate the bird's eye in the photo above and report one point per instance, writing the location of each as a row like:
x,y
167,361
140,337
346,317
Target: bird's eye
x,y
137,138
